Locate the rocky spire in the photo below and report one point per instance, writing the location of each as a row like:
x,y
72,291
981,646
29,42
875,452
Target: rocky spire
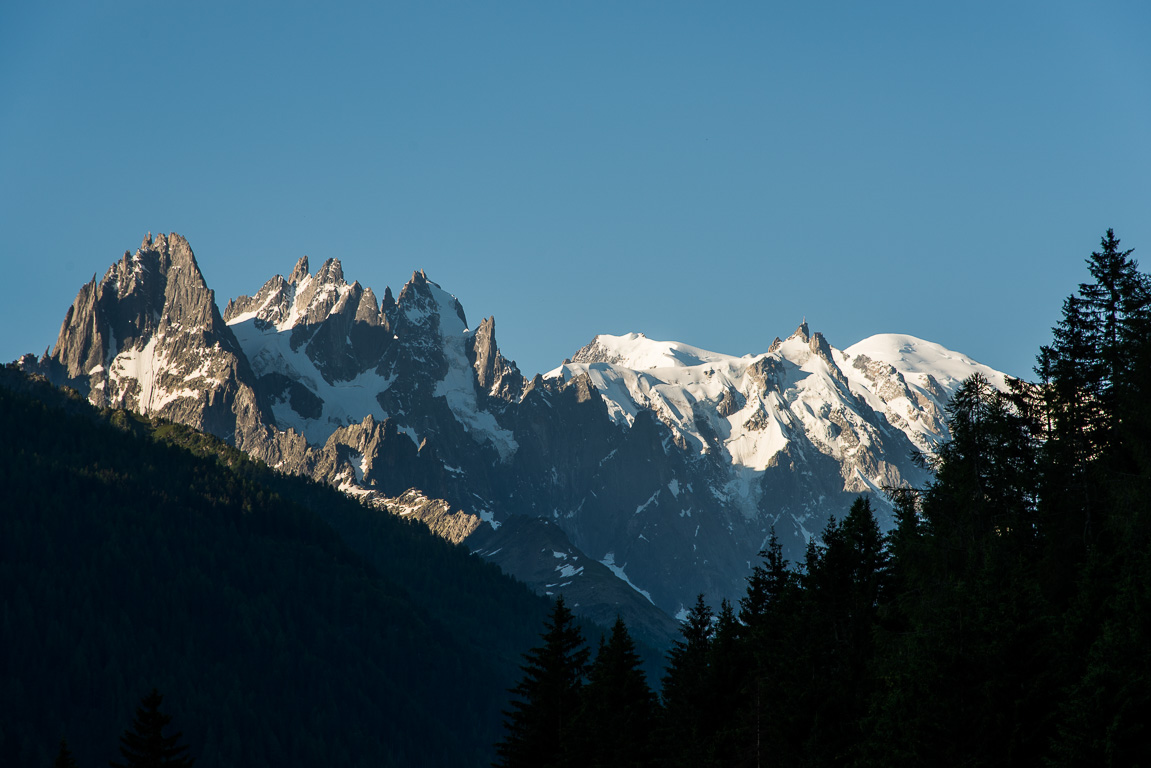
x,y
803,332
149,337
821,349
494,375
368,310
331,271
300,272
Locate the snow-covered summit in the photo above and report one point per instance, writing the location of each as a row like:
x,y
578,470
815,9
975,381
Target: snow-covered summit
x,y
911,381
865,407
915,358
637,351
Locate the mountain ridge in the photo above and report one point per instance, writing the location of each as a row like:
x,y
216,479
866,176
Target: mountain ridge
x,y
666,463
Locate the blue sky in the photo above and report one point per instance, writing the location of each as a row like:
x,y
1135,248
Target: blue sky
x,y
706,172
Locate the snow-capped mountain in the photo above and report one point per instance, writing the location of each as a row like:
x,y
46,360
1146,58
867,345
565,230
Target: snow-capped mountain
x,y
865,407
634,476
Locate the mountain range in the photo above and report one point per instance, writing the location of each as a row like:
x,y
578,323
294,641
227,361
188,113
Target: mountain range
x,y
632,477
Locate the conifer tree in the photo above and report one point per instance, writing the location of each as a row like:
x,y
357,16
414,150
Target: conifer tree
x,y
969,610
616,725
1107,624
728,668
1093,368
687,692
64,757
546,701
144,745
767,585
1119,299
843,583
771,636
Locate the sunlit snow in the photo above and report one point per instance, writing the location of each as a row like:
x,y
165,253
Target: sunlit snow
x,y
344,402
709,399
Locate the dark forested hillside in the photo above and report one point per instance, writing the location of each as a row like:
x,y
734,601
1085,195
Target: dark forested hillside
x,y
135,555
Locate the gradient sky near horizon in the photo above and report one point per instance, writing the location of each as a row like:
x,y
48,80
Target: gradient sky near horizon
x,y
711,173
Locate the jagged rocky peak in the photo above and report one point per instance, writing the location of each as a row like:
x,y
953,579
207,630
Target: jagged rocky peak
x,y
495,375
767,372
156,290
331,272
368,309
425,309
305,300
596,352
819,346
803,345
269,306
301,271
821,349
141,274
188,301
273,304
82,343
316,298
802,332
369,306
149,337
341,328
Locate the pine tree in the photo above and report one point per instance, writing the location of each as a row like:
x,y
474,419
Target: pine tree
x,y
770,644
687,732
618,717
1093,368
1107,624
767,585
969,608
728,668
843,584
546,701
1119,299
144,745
64,757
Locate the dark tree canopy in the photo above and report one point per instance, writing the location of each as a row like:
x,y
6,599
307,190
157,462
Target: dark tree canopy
x,y
618,711
145,745
546,701
64,758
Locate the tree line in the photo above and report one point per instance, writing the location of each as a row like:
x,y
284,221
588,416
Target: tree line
x,y
144,744
1004,620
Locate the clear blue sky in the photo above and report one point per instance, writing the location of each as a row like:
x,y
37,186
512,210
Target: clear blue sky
x,y
706,172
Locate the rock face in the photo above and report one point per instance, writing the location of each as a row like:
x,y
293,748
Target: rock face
x,y
657,470
149,337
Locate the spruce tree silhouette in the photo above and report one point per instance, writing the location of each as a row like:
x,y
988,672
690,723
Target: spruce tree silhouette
x,y
546,701
144,745
64,758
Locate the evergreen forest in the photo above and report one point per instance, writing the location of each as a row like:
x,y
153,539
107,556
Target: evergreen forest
x,y
1004,621
283,622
